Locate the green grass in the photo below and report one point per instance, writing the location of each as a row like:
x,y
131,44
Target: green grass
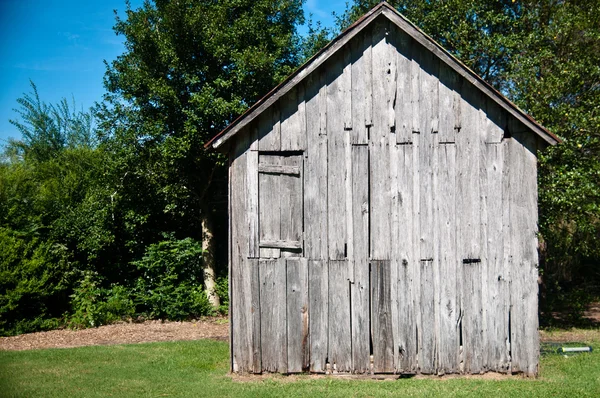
x,y
199,368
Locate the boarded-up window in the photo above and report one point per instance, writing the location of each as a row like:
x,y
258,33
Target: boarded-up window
x,y
280,204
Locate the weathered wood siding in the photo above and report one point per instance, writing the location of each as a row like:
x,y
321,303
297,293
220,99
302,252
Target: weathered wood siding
x,y
382,220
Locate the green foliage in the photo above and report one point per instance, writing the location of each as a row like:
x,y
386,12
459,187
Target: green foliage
x,y
222,291
170,284
95,306
47,129
35,277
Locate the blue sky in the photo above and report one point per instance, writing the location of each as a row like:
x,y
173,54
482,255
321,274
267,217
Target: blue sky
x,y
61,45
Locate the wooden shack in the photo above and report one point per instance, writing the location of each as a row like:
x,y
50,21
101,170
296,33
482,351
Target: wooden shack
x,y
383,215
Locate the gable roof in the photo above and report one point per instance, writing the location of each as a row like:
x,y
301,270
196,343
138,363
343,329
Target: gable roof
x,y
336,44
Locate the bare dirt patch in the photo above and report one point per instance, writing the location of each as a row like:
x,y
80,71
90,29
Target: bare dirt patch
x,y
121,333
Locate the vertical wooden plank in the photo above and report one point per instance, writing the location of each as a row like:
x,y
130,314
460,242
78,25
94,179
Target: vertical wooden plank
x,y
384,91
347,87
315,176
254,277
429,264
506,238
448,344
290,195
404,105
485,240
524,272
495,122
396,164
273,315
269,186
290,122
293,120
406,263
415,86
428,137
337,173
360,282
269,132
318,294
381,310
427,340
297,315
449,104
230,259
468,213
242,344
495,300
340,342
415,265
252,198
361,88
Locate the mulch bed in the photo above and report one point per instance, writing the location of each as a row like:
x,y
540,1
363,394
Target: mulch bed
x,y
121,333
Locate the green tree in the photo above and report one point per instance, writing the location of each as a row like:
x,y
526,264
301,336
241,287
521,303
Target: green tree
x,y
189,69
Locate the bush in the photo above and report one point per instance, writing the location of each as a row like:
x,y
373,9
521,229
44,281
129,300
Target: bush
x,y
35,279
222,290
171,284
94,306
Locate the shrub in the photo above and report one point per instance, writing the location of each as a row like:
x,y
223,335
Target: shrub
x,y
35,279
171,284
94,306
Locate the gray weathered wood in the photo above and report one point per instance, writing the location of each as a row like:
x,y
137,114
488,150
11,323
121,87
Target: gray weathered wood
x,y
269,133
428,127
252,199
281,244
468,213
449,104
466,73
381,311
340,342
293,120
269,187
297,315
404,106
273,315
337,174
254,277
523,287
318,294
384,92
336,44
360,279
495,300
279,169
449,268
427,330
406,263
242,344
291,204
361,89
315,176
494,123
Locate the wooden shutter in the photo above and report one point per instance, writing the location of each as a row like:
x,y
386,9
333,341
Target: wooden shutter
x,y
280,204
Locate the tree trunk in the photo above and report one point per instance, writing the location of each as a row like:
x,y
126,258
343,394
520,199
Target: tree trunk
x,y
208,255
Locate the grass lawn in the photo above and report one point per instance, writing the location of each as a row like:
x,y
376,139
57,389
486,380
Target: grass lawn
x,y
199,368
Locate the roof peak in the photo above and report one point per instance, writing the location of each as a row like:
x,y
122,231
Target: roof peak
x,y
385,9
